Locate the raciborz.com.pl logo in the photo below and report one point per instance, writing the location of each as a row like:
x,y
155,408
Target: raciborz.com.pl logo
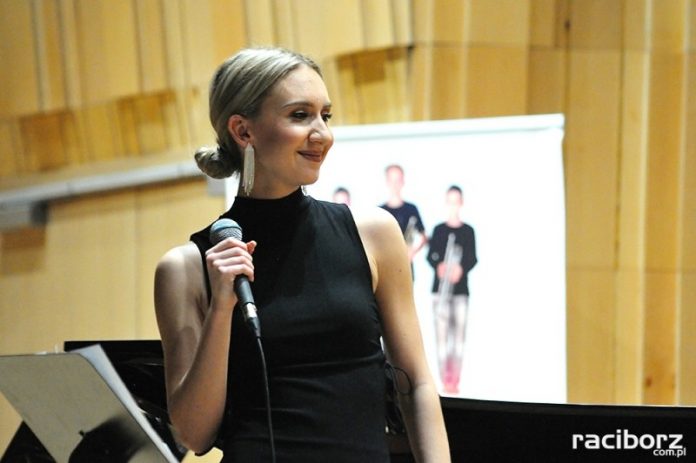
x,y
660,445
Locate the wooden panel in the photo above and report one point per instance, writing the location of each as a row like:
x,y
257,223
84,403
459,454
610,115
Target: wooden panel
x,y
686,385
49,55
229,28
688,173
11,148
449,22
127,125
98,126
262,22
628,348
636,30
70,53
166,216
378,25
499,22
497,81
546,86
19,89
196,102
543,18
447,83
214,456
397,69
423,11
591,150
664,146
150,124
42,139
691,25
595,24
341,83
402,17
668,26
380,85
72,137
634,159
108,46
340,29
591,334
10,422
659,382
420,82
174,112
197,42
152,57
285,25
174,44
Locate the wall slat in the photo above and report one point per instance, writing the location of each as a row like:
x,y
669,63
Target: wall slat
x,y
49,55
70,52
152,56
229,28
591,140
402,18
546,89
591,335
339,31
10,149
261,22
595,24
499,22
378,24
109,46
497,81
19,85
447,83
43,142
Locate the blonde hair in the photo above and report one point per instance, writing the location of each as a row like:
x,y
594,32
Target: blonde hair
x,y
239,86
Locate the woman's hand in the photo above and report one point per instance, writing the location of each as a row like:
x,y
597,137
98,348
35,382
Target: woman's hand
x,y
225,261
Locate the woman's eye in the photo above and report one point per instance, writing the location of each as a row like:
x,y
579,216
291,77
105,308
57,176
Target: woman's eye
x,y
326,117
299,114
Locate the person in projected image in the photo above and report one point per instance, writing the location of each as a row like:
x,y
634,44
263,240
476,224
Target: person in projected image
x,y
341,195
405,213
452,254
328,285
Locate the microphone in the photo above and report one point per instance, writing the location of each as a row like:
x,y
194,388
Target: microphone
x,y
228,228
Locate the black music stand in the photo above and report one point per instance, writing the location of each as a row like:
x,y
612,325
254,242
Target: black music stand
x,y
80,409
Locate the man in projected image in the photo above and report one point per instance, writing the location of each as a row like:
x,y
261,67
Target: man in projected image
x,y
341,195
406,214
452,254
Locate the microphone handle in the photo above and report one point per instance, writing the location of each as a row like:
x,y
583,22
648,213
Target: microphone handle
x,y
246,302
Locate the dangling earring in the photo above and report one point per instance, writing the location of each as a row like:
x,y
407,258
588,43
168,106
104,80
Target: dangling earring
x,y
248,170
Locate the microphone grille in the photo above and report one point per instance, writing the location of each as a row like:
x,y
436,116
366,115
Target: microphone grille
x,y
225,228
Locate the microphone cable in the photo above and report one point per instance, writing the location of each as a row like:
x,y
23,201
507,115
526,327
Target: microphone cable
x,y
267,393
227,228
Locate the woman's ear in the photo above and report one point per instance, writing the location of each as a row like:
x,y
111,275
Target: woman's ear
x,y
238,126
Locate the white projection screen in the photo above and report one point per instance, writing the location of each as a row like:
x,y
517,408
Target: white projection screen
x,y
510,170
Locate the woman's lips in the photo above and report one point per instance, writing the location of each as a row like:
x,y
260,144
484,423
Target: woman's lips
x,y
311,155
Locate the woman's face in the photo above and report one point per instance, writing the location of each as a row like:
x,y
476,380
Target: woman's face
x,y
290,135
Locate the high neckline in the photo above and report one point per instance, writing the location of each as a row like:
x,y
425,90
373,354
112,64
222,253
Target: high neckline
x,y
269,208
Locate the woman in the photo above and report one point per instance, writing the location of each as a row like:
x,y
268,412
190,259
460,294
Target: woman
x,y
326,286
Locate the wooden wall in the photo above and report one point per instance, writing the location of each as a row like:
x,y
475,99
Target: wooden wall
x,y
80,89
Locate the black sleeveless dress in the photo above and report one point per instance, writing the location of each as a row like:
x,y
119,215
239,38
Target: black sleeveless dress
x,y
321,333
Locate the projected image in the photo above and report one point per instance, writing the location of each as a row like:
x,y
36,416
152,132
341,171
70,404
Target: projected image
x,y
481,206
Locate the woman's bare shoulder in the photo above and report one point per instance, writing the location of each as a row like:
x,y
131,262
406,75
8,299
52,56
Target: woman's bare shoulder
x,y
179,277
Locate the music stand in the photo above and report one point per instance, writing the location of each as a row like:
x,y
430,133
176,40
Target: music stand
x,y
79,408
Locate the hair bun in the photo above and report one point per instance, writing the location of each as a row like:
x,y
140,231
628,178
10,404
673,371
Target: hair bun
x,y
214,162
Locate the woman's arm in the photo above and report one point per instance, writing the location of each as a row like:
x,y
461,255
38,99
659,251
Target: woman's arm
x,y
393,287
195,337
